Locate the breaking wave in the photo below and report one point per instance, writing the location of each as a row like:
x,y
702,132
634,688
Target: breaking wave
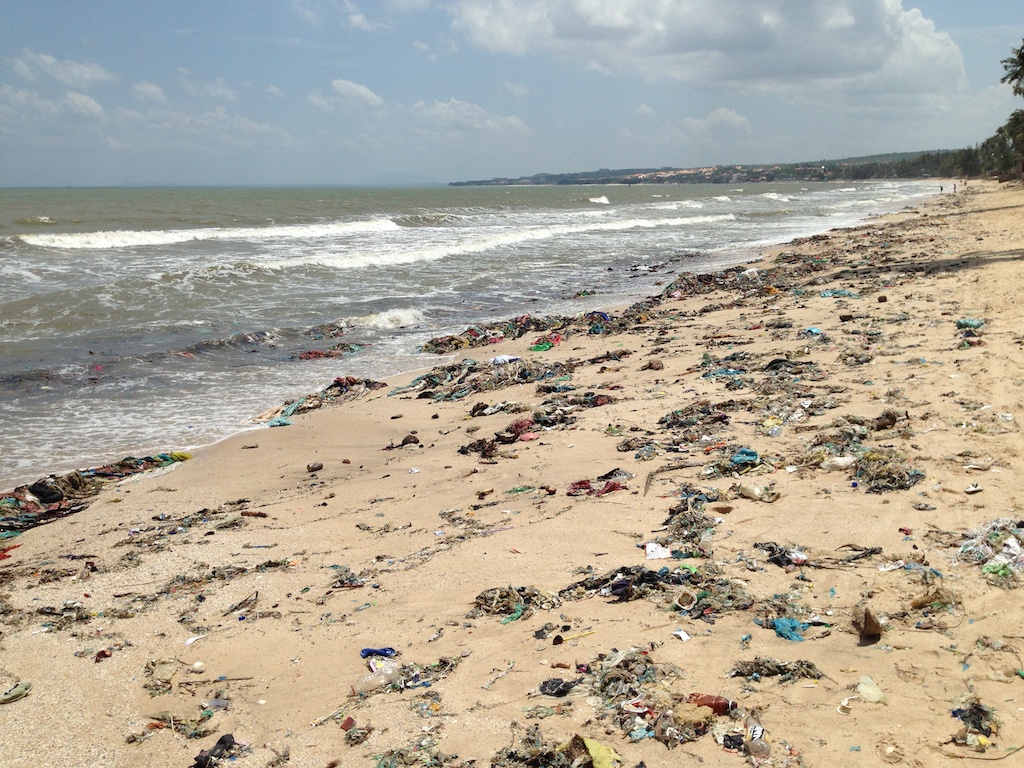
x,y
115,239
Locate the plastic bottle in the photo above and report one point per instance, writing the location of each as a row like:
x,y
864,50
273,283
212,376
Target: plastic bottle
x,y
375,680
383,671
757,745
717,704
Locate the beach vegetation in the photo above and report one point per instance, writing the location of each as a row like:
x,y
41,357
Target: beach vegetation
x,y
1014,67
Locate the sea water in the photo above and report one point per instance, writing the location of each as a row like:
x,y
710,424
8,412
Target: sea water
x,y
134,321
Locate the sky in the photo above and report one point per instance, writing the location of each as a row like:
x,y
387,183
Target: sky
x,y
240,92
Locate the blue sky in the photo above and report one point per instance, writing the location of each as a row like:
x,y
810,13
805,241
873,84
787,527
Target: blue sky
x,y
347,91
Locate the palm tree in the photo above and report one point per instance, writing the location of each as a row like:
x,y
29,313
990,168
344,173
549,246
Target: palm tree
x,y
1014,131
1014,67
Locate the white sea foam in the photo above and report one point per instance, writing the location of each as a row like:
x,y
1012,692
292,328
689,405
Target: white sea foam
x,y
140,238
677,205
392,318
9,271
722,198
602,200
474,243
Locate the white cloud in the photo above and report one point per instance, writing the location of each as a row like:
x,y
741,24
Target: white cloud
x,y
27,100
425,50
457,115
21,67
83,105
410,5
193,129
645,110
357,19
345,94
20,108
516,89
72,73
318,100
718,121
346,12
217,89
764,44
312,13
355,92
147,91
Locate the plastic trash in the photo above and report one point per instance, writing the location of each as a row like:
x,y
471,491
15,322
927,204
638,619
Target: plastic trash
x,y
974,323
756,744
388,652
756,492
385,672
556,686
208,758
656,551
373,681
717,704
836,463
789,629
869,691
745,456
17,691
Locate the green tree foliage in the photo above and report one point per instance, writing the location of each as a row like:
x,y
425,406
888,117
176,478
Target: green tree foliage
x,y
1014,67
995,154
1014,131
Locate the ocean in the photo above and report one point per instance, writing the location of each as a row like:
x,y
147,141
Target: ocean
x,y
135,321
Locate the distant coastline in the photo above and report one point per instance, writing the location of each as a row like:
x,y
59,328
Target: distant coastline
x,y
902,165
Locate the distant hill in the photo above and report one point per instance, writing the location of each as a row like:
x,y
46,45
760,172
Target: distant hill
x,y
890,157
904,165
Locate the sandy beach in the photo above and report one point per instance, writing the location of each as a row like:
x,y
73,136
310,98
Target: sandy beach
x,y
571,543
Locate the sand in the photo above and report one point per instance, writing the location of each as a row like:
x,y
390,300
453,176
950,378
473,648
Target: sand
x,y
390,545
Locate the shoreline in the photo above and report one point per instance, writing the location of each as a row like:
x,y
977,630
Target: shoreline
x,y
744,255
432,517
